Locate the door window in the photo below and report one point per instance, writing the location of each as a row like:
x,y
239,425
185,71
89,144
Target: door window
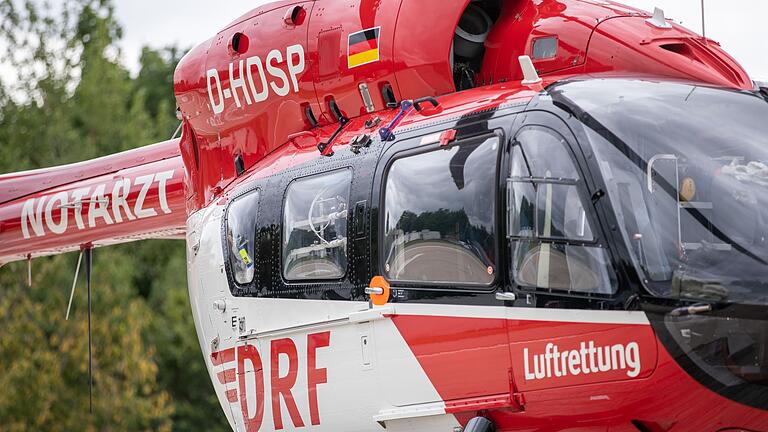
x,y
439,215
552,237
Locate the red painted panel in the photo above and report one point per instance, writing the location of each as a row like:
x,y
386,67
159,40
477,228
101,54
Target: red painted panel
x,y
143,201
668,400
579,354
423,43
267,7
522,23
245,102
630,45
661,396
463,357
330,27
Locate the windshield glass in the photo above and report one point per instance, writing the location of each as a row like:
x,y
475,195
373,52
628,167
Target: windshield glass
x,y
686,169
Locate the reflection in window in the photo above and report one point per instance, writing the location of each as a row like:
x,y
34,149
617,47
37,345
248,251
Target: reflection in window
x,y
315,227
241,236
439,223
562,267
548,210
691,198
545,48
546,155
545,211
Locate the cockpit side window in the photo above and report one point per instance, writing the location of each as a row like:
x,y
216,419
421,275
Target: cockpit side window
x,y
315,227
550,228
241,236
439,221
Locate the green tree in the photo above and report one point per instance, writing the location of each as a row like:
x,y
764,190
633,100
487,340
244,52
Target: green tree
x,y
183,371
71,101
156,79
45,358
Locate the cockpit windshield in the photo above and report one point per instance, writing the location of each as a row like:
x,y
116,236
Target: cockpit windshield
x,y
686,169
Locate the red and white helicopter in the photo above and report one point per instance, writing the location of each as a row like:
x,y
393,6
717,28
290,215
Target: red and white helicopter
x,y
508,215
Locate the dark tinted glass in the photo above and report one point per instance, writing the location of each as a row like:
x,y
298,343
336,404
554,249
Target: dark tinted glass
x,y
439,223
241,233
315,227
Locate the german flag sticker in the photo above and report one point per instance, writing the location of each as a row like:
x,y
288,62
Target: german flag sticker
x,y
363,47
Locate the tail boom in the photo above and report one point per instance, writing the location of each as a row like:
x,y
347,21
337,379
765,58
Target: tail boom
x,y
134,195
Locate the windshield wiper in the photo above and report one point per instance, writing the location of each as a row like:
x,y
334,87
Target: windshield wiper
x,y
596,126
691,310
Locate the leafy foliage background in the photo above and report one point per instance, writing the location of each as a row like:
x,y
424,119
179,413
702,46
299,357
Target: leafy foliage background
x,y
71,101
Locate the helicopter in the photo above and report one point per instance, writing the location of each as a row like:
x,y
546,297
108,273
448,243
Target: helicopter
x,y
485,215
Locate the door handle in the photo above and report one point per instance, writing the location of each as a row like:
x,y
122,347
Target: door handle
x,y
506,296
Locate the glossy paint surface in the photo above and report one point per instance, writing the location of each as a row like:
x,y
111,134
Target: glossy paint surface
x,y
304,358
134,195
413,59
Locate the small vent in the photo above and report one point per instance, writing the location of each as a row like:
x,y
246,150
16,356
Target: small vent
x,y
763,87
360,219
682,49
648,426
310,116
239,43
335,110
295,16
239,165
195,150
389,96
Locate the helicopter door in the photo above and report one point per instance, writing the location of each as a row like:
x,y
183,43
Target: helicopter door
x,y
438,244
221,340
240,259
210,302
562,272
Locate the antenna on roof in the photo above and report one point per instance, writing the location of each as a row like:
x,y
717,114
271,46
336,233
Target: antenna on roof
x,y
659,20
530,76
703,24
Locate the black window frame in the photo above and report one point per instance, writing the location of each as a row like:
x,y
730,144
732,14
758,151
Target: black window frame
x,y
499,224
580,184
281,224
